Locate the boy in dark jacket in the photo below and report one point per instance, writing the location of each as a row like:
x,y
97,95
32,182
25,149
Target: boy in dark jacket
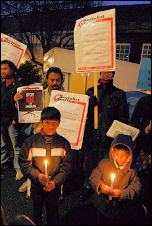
x,y
46,180
117,198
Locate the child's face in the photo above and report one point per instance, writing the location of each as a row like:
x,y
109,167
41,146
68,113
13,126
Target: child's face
x,y
49,126
120,156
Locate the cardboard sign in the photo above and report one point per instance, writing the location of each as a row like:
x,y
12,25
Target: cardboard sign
x,y
73,108
144,78
94,41
12,50
31,105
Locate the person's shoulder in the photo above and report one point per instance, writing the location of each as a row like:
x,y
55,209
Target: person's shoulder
x,y
32,138
91,89
105,162
62,139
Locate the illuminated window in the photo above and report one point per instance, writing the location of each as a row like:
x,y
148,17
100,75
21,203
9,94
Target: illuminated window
x,y
146,51
122,51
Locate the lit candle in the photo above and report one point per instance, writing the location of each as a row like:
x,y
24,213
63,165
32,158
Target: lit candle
x,y
112,180
150,124
46,173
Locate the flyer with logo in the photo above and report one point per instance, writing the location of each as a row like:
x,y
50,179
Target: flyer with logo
x,y
73,108
94,42
31,105
12,49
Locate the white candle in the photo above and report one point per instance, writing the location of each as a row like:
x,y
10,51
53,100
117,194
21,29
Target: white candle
x,y
46,173
112,180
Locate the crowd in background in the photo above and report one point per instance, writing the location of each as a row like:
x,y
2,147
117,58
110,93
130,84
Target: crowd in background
x,y
112,105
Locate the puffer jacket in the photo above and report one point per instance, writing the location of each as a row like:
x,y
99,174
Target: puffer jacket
x,y
37,148
112,106
125,179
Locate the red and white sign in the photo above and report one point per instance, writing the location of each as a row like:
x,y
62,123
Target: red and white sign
x,y
94,41
73,108
11,49
31,105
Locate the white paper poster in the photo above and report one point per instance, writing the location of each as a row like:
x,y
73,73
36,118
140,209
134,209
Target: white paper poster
x,y
12,50
73,108
122,128
94,42
31,105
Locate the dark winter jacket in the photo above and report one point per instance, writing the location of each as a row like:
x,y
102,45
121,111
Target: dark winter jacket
x,y
112,106
125,179
8,109
141,119
37,148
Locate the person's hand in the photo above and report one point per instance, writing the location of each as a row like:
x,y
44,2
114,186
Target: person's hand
x,y
13,122
116,193
17,97
43,179
147,129
103,188
49,186
95,100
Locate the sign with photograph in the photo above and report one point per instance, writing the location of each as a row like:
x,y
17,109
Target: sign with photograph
x,y
31,105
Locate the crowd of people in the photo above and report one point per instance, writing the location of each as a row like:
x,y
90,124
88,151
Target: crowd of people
x,y
116,203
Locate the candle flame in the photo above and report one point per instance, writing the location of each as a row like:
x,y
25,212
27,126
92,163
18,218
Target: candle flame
x,y
45,163
112,177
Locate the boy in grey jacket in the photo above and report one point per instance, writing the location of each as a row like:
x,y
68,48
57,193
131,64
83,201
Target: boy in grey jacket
x,y
46,179
117,187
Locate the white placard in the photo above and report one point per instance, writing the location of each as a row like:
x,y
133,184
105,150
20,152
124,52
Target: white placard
x,y
12,50
73,108
94,42
31,105
122,128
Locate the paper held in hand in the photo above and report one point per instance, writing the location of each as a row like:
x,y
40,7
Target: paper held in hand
x,y
122,128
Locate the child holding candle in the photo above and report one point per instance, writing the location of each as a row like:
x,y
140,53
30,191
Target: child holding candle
x,y
46,160
117,197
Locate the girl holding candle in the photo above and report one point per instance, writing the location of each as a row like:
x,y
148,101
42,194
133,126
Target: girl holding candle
x,y
117,187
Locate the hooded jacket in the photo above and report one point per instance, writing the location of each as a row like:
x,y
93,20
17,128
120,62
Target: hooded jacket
x,y
125,179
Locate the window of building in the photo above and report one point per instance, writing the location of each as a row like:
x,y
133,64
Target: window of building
x,y
146,51
122,51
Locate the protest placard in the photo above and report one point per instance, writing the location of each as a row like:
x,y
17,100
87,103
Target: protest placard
x,y
12,50
31,105
73,108
122,128
94,42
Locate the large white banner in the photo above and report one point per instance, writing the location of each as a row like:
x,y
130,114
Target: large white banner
x,y
31,105
94,42
73,108
11,49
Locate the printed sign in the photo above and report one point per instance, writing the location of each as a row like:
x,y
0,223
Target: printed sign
x,y
73,108
12,50
144,78
31,105
94,41
122,128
